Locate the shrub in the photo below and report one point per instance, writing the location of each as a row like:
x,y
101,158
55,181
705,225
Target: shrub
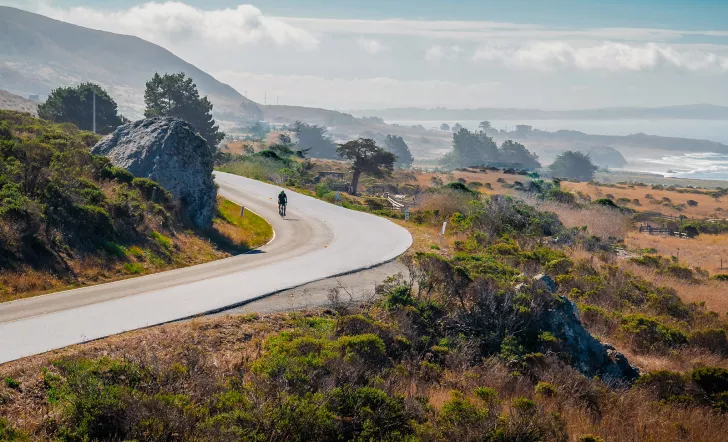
x,y
712,380
459,419
369,414
666,385
151,190
10,434
606,202
133,268
647,333
12,383
399,297
590,438
712,339
692,203
545,389
162,241
322,189
368,347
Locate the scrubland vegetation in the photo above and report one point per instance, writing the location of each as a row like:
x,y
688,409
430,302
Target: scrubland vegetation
x,y
69,218
539,316
467,346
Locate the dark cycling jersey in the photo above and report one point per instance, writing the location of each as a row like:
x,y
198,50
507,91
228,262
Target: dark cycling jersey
x,y
282,199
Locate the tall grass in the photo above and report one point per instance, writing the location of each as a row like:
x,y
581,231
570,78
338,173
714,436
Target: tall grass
x,y
600,221
257,168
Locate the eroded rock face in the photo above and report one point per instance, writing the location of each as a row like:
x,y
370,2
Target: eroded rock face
x,y
586,353
168,151
589,356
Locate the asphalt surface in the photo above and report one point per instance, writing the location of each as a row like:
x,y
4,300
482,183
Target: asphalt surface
x,y
315,241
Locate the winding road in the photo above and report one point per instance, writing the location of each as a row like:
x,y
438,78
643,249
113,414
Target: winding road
x,y
316,240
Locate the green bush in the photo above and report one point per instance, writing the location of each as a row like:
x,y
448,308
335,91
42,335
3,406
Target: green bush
x,y
399,297
369,414
545,389
322,189
648,333
712,339
10,434
133,268
12,383
712,380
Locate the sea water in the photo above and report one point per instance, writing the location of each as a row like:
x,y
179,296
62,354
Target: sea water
x,y
707,165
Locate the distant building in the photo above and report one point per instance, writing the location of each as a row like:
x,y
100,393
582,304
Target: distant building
x,y
34,97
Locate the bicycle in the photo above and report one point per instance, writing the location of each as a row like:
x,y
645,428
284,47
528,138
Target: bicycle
x,y
282,210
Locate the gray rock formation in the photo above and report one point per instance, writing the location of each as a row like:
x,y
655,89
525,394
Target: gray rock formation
x,y
588,355
168,151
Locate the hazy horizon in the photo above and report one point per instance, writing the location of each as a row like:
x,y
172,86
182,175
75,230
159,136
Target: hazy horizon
x,y
562,55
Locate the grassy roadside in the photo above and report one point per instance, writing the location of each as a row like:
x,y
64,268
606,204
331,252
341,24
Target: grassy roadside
x,y
230,235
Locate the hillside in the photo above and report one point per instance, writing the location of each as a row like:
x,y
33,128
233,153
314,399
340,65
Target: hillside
x,y
17,103
695,111
68,218
38,54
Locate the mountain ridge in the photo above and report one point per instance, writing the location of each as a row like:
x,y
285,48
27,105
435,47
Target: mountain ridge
x,y
690,111
38,54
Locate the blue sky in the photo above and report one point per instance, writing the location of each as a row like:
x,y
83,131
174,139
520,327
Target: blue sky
x,y
683,14
556,54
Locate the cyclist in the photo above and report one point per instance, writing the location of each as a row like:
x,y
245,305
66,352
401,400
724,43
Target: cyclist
x,y
282,202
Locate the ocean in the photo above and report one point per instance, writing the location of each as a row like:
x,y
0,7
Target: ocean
x,y
707,165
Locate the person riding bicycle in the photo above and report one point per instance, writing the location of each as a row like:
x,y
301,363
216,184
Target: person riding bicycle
x,y
282,202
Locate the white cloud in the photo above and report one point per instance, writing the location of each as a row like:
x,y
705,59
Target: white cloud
x,y
610,56
480,30
437,53
350,93
173,22
372,47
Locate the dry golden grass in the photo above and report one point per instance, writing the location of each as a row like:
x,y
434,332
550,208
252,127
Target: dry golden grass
x,y
188,248
224,340
424,180
706,207
713,293
703,251
600,221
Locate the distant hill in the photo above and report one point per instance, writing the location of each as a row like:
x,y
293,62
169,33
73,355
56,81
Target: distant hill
x,y
17,103
696,111
38,54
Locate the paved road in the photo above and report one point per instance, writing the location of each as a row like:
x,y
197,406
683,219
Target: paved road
x,y
315,241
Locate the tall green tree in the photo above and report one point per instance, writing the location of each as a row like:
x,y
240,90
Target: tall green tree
x,y
574,165
314,140
512,152
399,148
471,149
75,105
175,95
366,157
485,126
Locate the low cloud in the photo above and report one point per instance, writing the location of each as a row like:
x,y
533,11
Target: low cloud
x,y
351,93
609,56
437,53
175,22
372,47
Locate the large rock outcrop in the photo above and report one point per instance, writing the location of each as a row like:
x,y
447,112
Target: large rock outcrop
x,y
168,151
586,353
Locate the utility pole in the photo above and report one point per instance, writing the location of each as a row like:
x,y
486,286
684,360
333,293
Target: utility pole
x,y
265,98
94,112
278,100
